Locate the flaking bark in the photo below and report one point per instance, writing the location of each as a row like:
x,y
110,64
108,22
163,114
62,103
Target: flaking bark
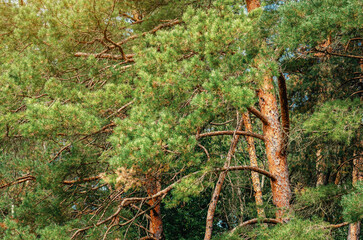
x,y
275,148
275,140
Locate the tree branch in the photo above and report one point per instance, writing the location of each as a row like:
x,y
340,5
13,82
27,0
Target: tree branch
x,y
168,24
220,124
259,115
217,133
333,226
18,181
70,182
254,169
338,54
107,56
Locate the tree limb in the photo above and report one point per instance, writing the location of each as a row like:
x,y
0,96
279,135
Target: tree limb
x,y
259,115
217,133
338,54
107,56
18,181
333,226
254,169
168,24
70,182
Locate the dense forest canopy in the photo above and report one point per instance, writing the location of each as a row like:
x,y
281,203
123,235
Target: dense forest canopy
x,y
181,119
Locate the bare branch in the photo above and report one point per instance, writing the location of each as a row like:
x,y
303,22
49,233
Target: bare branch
x,y
254,169
107,56
259,115
218,188
217,133
60,151
18,181
220,124
122,108
205,150
338,54
333,226
70,182
157,28
115,44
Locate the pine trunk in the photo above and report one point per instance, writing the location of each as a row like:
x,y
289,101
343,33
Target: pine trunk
x,y
253,163
275,148
156,223
275,139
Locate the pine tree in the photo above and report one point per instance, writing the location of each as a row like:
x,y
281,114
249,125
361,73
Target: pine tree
x,y
119,118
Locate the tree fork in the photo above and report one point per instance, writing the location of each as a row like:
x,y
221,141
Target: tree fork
x,y
275,140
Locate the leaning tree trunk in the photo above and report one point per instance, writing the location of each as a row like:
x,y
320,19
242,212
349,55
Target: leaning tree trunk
x,y
156,225
253,163
218,188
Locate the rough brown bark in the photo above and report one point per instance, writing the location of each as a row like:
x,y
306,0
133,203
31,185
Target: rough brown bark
x,y
252,4
275,141
253,162
156,224
218,187
275,148
354,230
285,119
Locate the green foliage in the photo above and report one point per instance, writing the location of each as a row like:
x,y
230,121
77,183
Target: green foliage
x,y
313,196
184,191
187,219
65,118
298,229
310,23
336,120
352,204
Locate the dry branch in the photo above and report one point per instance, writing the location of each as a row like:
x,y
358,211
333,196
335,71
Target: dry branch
x,y
18,181
254,169
259,115
106,56
217,133
333,226
70,182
